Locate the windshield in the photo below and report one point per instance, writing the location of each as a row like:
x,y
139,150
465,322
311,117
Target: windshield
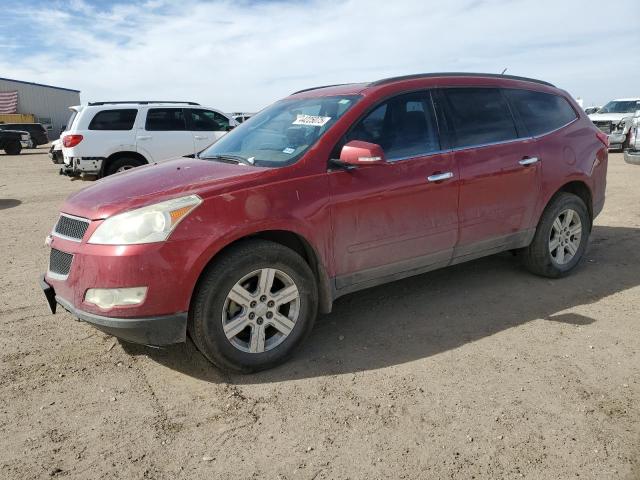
x,y
621,106
280,134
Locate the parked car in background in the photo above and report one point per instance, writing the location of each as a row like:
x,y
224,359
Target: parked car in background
x,y
615,119
632,153
242,117
108,137
590,110
331,190
13,141
37,132
55,152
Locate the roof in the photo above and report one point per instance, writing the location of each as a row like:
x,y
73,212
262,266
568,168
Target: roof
x,y
39,85
345,88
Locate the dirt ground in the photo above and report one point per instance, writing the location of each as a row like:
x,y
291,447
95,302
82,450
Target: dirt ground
x,y
476,371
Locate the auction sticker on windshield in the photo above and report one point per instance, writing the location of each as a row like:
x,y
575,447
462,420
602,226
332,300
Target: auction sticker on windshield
x,y
311,120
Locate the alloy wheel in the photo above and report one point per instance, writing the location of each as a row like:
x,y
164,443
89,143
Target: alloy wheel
x,y
261,310
565,236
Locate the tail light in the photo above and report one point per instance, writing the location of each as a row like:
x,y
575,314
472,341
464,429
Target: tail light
x,y
69,141
603,137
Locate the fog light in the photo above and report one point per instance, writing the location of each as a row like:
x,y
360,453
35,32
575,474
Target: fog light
x,y
115,297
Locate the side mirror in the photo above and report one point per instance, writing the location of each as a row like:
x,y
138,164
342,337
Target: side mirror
x,y
357,153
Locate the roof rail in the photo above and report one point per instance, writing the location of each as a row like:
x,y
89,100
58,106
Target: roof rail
x,y
322,86
456,74
139,102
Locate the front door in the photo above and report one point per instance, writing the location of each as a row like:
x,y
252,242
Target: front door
x,y
164,135
398,218
207,126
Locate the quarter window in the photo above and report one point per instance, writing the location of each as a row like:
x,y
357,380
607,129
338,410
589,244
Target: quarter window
x,y
479,116
404,126
165,119
541,112
120,119
208,121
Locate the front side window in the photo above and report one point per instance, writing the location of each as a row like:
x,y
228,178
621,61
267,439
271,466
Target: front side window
x,y
117,119
621,106
404,126
280,134
165,120
541,112
479,116
208,121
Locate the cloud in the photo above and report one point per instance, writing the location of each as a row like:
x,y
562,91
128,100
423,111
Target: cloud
x,y
241,55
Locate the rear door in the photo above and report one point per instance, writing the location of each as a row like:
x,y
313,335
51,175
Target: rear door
x,y
206,126
395,219
164,134
499,171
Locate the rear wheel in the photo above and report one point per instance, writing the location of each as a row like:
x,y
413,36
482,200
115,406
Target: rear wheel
x,y
122,164
253,307
561,237
14,147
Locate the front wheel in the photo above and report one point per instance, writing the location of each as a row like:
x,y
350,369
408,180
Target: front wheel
x,y
561,237
253,307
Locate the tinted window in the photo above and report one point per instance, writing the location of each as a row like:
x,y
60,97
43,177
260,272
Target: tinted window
x,y
541,112
404,127
121,119
165,119
208,121
479,116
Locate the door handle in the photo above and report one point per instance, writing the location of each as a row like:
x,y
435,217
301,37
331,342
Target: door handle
x,y
528,161
200,137
438,177
143,137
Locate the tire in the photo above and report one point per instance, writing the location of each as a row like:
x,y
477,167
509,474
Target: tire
x,y
539,256
121,164
212,306
13,147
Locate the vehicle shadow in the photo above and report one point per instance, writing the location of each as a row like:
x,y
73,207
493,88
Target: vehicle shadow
x,y
428,314
6,203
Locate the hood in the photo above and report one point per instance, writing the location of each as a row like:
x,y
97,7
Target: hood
x,y
609,117
157,182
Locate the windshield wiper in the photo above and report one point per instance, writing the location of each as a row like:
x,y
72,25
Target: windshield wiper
x,y
230,159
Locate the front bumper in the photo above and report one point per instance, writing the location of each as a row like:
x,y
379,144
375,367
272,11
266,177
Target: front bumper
x,y
156,331
632,157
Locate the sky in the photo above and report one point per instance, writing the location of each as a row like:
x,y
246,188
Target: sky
x,y
243,55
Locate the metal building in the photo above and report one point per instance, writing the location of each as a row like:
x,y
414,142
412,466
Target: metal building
x,y
49,104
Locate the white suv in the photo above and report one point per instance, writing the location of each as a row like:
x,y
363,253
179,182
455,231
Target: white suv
x,y
107,137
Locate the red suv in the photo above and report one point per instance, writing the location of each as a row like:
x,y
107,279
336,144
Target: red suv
x,y
331,190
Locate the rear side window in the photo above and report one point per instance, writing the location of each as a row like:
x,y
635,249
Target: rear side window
x,y
541,112
404,126
479,116
165,119
120,119
208,121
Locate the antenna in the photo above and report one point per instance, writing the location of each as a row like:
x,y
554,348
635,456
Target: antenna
x,y
504,70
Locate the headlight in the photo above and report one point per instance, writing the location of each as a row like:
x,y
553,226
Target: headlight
x,y
153,223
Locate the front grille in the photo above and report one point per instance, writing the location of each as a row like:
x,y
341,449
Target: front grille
x,y
60,262
71,227
603,126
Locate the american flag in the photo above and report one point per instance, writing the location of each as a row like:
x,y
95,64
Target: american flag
x,y
8,102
